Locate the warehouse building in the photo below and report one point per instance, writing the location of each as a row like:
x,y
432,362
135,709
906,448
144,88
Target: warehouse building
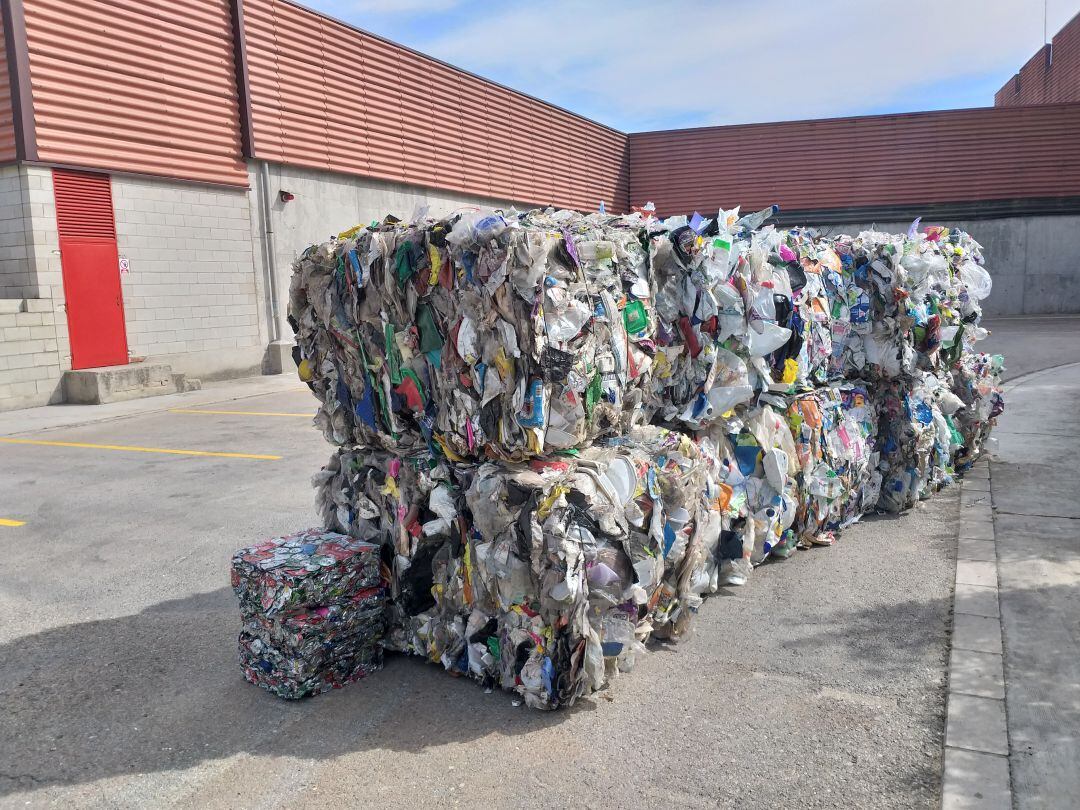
x,y
163,162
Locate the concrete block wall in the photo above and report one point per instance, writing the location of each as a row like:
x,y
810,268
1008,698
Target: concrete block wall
x,y
190,297
44,243
15,275
33,329
30,366
1034,261
29,258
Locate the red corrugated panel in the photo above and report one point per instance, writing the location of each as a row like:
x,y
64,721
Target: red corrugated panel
x,y
1034,79
419,164
542,138
447,132
7,124
83,205
136,85
506,180
414,119
1051,76
523,154
263,74
346,129
1065,67
953,156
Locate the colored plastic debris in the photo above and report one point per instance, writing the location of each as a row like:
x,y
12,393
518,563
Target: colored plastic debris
x,y
563,431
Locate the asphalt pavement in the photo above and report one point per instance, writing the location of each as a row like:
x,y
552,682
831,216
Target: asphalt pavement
x,y
821,683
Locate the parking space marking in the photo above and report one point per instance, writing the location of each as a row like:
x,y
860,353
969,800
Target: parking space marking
x,y
133,449
13,523
240,413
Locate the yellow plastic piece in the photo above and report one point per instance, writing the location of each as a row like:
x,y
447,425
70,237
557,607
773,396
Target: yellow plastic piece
x,y
390,487
791,371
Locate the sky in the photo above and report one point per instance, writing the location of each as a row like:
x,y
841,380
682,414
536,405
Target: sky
x,y
637,65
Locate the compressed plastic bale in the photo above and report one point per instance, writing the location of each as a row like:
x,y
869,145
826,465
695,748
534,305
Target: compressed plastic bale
x,y
311,567
976,401
835,432
514,336
757,471
492,333
794,310
915,441
411,506
551,576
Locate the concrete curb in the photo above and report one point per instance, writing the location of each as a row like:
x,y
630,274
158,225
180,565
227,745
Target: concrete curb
x,y
976,772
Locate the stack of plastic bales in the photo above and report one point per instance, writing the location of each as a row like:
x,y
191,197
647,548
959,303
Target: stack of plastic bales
x,y
564,430
313,611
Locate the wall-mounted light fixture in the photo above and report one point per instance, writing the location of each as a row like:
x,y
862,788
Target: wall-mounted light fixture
x,y
286,196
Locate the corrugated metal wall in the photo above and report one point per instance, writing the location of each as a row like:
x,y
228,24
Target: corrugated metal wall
x,y
142,86
327,96
918,158
7,125
1051,76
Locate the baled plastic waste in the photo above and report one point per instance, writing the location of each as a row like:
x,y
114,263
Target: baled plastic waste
x,y
543,578
564,431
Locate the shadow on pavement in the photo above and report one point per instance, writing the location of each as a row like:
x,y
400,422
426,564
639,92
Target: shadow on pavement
x,y
161,690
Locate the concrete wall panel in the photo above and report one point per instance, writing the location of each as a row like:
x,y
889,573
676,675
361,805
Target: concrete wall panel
x,y
190,298
33,327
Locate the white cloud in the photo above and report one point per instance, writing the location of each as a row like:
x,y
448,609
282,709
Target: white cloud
x,y
638,64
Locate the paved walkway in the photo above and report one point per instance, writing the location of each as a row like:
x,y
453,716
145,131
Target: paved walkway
x,y
1013,730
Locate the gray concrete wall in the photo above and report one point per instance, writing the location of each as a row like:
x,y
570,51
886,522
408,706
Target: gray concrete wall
x,y
1034,261
16,278
326,204
29,251
33,326
190,296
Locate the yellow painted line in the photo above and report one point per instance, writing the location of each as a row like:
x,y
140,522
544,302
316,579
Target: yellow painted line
x,y
132,449
240,413
6,522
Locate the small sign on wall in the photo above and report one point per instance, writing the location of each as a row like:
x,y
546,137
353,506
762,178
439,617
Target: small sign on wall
x,y
124,265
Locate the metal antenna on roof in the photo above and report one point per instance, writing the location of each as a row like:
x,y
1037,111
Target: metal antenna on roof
x,y
1045,38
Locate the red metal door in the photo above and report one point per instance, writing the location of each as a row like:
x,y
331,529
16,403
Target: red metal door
x,y
95,307
91,268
